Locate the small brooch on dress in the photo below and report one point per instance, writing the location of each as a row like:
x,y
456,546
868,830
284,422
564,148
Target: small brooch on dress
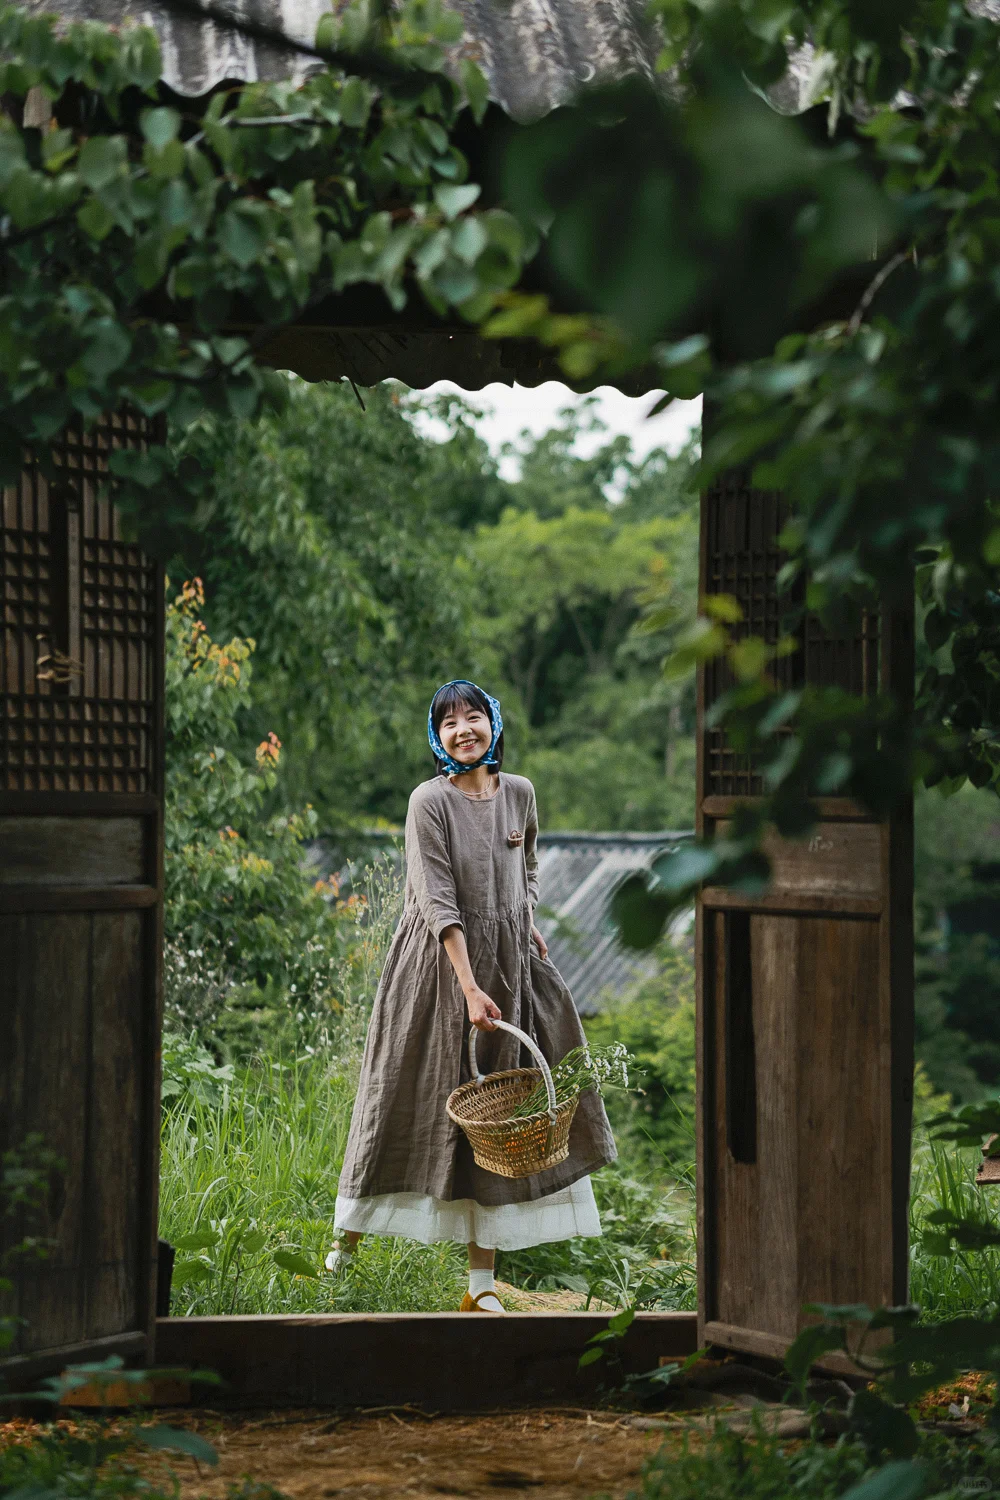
x,y
515,838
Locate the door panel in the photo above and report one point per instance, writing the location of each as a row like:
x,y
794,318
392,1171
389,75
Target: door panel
x,y
805,1051
81,657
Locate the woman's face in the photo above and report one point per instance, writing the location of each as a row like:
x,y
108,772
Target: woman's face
x,y
465,733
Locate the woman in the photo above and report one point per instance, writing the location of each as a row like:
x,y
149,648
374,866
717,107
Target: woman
x,y
466,952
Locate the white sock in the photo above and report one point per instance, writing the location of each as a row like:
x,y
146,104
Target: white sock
x,y
481,1283
339,1255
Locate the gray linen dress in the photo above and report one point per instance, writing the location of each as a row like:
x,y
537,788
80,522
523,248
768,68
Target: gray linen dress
x,y
460,870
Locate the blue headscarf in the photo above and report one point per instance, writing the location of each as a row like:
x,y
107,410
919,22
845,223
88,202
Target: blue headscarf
x,y
455,767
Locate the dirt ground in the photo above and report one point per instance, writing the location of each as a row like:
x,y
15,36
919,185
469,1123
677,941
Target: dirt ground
x,y
561,1453
315,1456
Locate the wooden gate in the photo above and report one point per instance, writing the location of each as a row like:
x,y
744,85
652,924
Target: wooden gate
x,y
805,999
80,895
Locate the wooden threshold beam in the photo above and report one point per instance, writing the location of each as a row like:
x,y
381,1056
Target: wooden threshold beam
x,y
441,1361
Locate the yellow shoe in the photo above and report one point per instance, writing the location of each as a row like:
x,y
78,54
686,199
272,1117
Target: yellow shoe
x,y
471,1304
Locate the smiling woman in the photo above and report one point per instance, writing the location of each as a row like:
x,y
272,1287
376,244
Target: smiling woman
x,y
467,931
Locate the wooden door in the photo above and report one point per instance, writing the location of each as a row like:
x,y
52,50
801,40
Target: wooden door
x,y
80,898
805,1000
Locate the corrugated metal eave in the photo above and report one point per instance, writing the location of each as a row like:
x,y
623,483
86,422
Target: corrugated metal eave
x,y
536,54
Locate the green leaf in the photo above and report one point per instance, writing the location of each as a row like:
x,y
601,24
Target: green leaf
x,y
240,238
175,1440
934,1243
356,99
58,148
590,1357
896,1481
102,159
95,219
807,1347
199,1239
640,914
288,1260
166,162
622,1321
475,87
191,1272
468,240
253,1242
686,867
454,198
160,126
883,1427
110,346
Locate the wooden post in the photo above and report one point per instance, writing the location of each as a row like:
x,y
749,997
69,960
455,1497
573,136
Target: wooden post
x,y
804,997
81,662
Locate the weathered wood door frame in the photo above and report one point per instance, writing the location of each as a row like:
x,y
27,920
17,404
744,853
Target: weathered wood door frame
x,y
871,882
81,920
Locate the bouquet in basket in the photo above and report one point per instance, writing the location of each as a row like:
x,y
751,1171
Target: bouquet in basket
x,y
584,1068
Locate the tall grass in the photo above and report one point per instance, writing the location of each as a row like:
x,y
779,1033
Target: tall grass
x,y
253,1172
251,1169
948,1286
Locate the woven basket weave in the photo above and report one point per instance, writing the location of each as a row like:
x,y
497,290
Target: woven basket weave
x,y
511,1148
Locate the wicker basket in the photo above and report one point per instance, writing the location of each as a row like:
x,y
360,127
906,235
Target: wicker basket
x,y
511,1148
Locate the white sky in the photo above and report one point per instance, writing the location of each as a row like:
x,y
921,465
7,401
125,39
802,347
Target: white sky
x,y
514,408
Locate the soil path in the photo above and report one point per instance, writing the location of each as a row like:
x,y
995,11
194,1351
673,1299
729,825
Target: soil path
x,y
315,1456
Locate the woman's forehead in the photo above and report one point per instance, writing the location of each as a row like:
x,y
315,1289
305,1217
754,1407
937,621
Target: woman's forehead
x,y
460,705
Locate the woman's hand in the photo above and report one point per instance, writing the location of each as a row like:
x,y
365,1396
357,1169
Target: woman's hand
x,y
482,1010
539,942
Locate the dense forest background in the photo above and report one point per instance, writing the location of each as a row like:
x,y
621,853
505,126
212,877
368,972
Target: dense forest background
x,y
369,561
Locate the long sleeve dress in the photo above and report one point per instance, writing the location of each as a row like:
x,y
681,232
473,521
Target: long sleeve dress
x,y
408,1169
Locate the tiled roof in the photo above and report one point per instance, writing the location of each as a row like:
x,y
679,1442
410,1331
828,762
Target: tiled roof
x,y
578,874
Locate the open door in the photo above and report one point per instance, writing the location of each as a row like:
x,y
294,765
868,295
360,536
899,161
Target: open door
x,y
805,999
81,659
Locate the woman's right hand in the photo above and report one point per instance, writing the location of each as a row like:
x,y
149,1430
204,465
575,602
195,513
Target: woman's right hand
x,y
482,1010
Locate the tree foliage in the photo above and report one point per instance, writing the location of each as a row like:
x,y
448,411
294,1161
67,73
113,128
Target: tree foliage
x,y
136,233
373,554
237,897
331,541
875,411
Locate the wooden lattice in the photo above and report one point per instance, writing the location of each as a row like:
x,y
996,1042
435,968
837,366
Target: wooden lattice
x,y
79,633
743,559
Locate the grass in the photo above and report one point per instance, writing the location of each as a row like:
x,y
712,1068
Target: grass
x,y
249,1168
254,1172
727,1466
943,1177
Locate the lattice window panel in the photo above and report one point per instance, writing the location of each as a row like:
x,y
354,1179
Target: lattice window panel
x,y
743,559
78,668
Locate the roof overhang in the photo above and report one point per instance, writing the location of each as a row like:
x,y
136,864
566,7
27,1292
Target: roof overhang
x,y
535,54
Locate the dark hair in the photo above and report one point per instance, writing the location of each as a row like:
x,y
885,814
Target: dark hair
x,y
449,698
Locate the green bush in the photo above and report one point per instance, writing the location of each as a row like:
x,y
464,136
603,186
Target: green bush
x,y
656,1023
252,941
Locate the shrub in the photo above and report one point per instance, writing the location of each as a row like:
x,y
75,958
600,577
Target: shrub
x,y
656,1023
247,930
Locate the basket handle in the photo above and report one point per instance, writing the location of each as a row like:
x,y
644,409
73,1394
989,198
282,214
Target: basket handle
x,y
532,1047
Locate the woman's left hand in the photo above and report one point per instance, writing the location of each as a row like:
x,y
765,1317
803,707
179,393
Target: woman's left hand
x,y
539,942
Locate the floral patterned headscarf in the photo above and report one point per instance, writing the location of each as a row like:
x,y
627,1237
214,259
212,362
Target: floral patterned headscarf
x,y
455,767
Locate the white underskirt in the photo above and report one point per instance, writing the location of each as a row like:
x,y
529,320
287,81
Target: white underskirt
x,y
507,1226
